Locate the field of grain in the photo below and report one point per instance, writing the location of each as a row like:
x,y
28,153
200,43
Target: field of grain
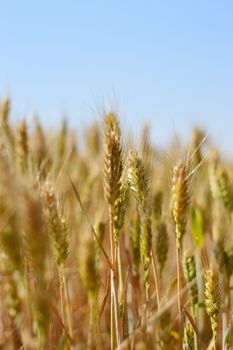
x,y
111,243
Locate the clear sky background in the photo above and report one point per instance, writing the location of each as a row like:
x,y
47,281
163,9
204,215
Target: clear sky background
x,y
167,62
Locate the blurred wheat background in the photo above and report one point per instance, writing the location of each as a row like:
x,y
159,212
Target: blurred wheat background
x,y
115,244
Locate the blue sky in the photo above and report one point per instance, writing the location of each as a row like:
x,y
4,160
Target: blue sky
x,y
167,62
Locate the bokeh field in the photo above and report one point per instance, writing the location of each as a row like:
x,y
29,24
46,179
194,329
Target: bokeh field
x,y
112,243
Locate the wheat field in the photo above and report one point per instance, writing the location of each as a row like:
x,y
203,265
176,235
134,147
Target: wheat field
x,y
111,243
